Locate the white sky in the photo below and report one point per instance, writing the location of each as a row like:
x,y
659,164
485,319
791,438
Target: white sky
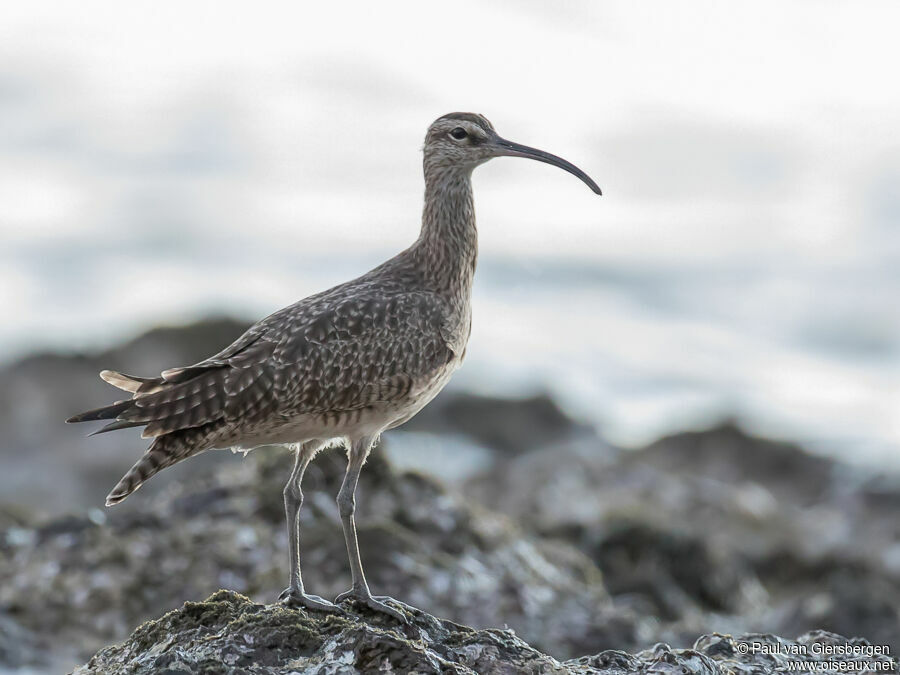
x,y
295,109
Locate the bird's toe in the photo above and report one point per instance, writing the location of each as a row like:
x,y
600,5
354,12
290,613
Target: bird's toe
x,y
293,597
382,607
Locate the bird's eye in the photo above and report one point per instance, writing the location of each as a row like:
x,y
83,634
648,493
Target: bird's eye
x,y
459,133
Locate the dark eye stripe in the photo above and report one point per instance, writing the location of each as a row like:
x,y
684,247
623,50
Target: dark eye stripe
x,y
459,133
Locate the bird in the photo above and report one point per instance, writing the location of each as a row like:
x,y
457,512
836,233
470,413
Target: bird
x,y
338,367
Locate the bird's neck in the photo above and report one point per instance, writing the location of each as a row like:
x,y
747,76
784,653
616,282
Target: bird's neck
x,y
448,244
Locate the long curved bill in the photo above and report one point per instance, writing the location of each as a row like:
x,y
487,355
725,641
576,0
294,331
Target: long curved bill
x,y
510,149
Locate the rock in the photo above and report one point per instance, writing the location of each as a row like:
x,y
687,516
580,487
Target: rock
x,y
728,455
20,648
718,529
509,426
228,634
675,574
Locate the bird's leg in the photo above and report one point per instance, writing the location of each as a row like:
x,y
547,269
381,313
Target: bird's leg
x,y
293,499
346,501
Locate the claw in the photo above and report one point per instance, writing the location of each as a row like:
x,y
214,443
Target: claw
x,y
346,595
374,603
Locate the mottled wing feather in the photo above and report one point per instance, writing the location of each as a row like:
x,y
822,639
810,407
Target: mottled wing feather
x,y
359,351
221,359
325,356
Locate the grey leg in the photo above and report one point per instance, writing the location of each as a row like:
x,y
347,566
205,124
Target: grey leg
x,y
293,499
346,501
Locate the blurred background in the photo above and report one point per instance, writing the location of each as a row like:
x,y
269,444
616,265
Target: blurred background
x,y
164,163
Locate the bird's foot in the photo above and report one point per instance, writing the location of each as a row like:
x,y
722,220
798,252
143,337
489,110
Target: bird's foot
x,y
296,597
377,603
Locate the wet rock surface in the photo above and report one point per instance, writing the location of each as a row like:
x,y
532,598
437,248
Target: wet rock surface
x,y
227,633
719,530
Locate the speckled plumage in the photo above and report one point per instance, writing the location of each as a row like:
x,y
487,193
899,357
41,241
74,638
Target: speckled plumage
x,y
346,363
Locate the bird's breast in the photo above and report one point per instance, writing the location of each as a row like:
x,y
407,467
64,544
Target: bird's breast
x,y
422,393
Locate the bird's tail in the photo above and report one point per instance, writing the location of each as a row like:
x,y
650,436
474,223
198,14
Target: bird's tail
x,y
154,460
181,411
163,452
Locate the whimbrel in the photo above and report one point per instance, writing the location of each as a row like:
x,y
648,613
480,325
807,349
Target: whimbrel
x,y
347,363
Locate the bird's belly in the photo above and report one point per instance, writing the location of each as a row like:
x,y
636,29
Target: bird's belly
x,y
368,421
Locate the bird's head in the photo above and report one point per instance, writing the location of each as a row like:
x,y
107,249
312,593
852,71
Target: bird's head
x,y
462,141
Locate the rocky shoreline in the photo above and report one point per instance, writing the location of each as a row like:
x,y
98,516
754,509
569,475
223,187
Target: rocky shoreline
x,y
227,633
577,546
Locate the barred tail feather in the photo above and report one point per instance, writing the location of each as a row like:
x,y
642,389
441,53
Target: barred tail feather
x,y
161,406
163,452
157,458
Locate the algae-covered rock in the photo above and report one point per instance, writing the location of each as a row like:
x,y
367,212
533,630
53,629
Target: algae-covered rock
x,y
229,634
